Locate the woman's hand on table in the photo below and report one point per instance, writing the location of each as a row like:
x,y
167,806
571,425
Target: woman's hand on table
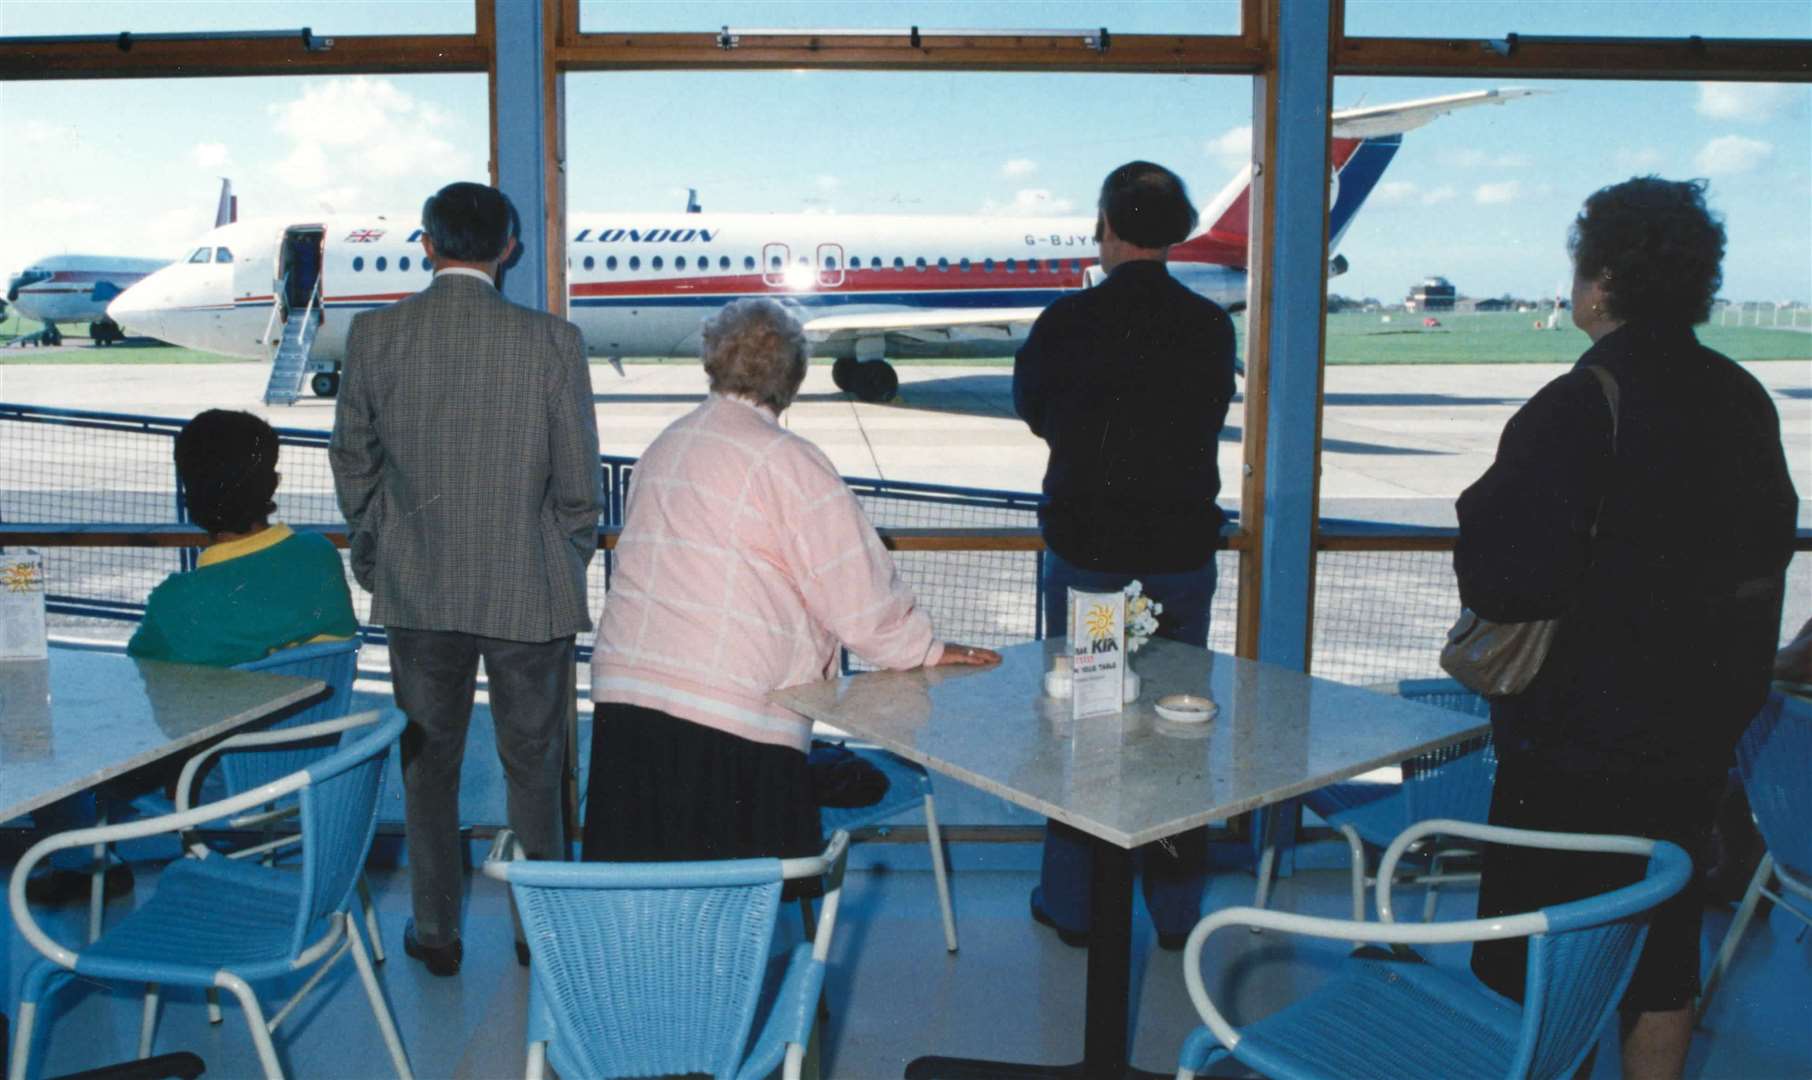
x,y
966,656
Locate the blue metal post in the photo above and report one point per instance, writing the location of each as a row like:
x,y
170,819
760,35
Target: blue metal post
x,y
1297,255
521,120
1297,252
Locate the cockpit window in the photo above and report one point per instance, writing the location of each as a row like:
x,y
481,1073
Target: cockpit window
x,y
222,255
201,255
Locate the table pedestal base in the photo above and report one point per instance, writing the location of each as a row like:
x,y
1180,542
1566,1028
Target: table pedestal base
x,y
1105,1041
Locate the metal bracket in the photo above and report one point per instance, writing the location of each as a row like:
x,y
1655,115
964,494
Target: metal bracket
x,y
1100,40
124,44
311,43
727,40
1506,47
917,43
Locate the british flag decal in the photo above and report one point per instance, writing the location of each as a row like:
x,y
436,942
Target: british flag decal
x,y
363,236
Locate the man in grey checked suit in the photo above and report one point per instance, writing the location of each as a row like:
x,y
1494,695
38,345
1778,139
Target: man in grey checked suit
x,y
465,457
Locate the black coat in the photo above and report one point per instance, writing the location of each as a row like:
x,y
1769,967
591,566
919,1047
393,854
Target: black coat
x,y
1670,616
1129,383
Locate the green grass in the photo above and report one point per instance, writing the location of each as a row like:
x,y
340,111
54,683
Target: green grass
x,y
1509,338
79,350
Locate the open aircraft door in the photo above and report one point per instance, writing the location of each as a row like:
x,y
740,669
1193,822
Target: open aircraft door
x,y
830,265
773,265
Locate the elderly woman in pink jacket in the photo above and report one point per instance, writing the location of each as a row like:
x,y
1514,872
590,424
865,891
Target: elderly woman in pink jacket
x,y
744,564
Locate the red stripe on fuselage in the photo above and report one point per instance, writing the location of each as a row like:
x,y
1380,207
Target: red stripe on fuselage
x,y
854,281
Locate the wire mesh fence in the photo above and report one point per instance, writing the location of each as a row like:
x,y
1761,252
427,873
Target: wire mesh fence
x,y
1379,615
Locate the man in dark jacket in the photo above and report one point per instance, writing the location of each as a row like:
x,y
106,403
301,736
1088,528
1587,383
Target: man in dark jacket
x,y
1129,383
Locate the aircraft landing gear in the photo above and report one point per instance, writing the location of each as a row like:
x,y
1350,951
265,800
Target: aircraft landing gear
x,y
872,381
105,332
52,336
325,383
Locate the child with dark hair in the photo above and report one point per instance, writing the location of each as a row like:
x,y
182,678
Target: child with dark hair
x,y
257,587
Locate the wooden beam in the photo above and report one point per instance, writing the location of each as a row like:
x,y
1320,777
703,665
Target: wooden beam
x,y
207,57
1675,59
1171,54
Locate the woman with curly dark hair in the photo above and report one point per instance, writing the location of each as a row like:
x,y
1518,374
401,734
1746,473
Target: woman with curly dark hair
x,y
1652,514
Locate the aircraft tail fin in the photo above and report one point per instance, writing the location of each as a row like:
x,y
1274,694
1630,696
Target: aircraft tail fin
x,y
226,211
1364,142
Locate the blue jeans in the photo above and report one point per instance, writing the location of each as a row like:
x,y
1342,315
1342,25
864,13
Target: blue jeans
x,y
1174,872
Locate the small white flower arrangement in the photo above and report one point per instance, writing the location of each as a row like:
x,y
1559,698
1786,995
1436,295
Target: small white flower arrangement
x,y
1141,616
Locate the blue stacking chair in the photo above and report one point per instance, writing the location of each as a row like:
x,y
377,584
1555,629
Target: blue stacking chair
x,y
1774,758
1453,782
1397,1017
908,788
221,922
657,969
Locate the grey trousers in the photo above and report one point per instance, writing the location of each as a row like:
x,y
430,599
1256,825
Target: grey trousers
x,y
435,674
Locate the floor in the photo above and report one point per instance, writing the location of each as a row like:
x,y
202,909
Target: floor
x,y
1012,991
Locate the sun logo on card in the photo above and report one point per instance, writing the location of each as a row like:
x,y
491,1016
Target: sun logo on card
x,y
21,578
1099,622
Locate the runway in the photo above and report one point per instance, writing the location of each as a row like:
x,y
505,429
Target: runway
x,y
1399,442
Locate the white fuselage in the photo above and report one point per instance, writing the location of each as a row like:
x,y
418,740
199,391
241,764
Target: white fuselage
x,y
639,284
75,288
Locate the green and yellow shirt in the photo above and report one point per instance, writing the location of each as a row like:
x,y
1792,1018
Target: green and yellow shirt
x,y
246,599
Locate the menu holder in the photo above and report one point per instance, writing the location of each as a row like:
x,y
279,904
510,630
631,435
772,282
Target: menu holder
x,y
1097,652
23,635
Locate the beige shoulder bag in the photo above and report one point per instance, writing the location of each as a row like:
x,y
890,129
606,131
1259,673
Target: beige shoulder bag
x,y
1501,659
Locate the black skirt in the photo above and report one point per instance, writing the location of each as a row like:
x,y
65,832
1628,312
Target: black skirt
x,y
1530,794
665,789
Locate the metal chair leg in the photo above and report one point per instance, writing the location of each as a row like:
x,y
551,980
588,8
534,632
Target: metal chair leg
x,y
147,1025
1355,850
254,1020
935,839
380,1009
1734,937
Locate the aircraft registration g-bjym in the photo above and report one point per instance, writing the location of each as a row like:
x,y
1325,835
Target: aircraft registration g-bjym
x,y
866,287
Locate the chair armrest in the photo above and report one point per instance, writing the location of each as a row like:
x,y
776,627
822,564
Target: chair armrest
x,y
1534,922
1496,834
181,821
505,849
790,1020
829,866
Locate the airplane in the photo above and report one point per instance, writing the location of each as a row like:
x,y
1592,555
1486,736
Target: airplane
x,y
866,287
78,288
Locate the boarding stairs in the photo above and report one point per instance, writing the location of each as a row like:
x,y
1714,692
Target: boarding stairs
x,y
289,367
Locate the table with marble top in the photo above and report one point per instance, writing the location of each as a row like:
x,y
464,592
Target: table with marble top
x,y
1125,779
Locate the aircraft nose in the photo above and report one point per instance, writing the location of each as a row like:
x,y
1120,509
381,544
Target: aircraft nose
x,y
137,310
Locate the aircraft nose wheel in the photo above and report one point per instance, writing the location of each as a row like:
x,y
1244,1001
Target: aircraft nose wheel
x,y
325,383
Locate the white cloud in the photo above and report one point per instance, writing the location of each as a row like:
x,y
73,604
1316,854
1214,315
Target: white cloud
x,y
1395,191
1750,103
1436,196
1232,148
361,143
828,184
1730,154
1638,158
54,208
1019,167
1501,191
1029,202
210,155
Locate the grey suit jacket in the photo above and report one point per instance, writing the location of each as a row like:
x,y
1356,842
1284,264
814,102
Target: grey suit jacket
x,y
465,457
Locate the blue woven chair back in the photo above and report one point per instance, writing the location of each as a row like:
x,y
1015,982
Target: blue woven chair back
x,y
339,817
1578,969
1455,781
1775,761
334,663
647,969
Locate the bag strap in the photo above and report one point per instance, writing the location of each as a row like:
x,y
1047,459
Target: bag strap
x,y
1612,397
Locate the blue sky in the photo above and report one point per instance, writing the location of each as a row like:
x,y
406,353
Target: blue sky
x,y
1482,196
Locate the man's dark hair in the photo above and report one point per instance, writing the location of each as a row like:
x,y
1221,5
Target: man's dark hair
x,y
468,222
1654,245
1147,205
227,462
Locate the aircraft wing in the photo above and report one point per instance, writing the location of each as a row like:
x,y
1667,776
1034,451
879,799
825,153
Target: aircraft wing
x,y
929,325
1375,120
